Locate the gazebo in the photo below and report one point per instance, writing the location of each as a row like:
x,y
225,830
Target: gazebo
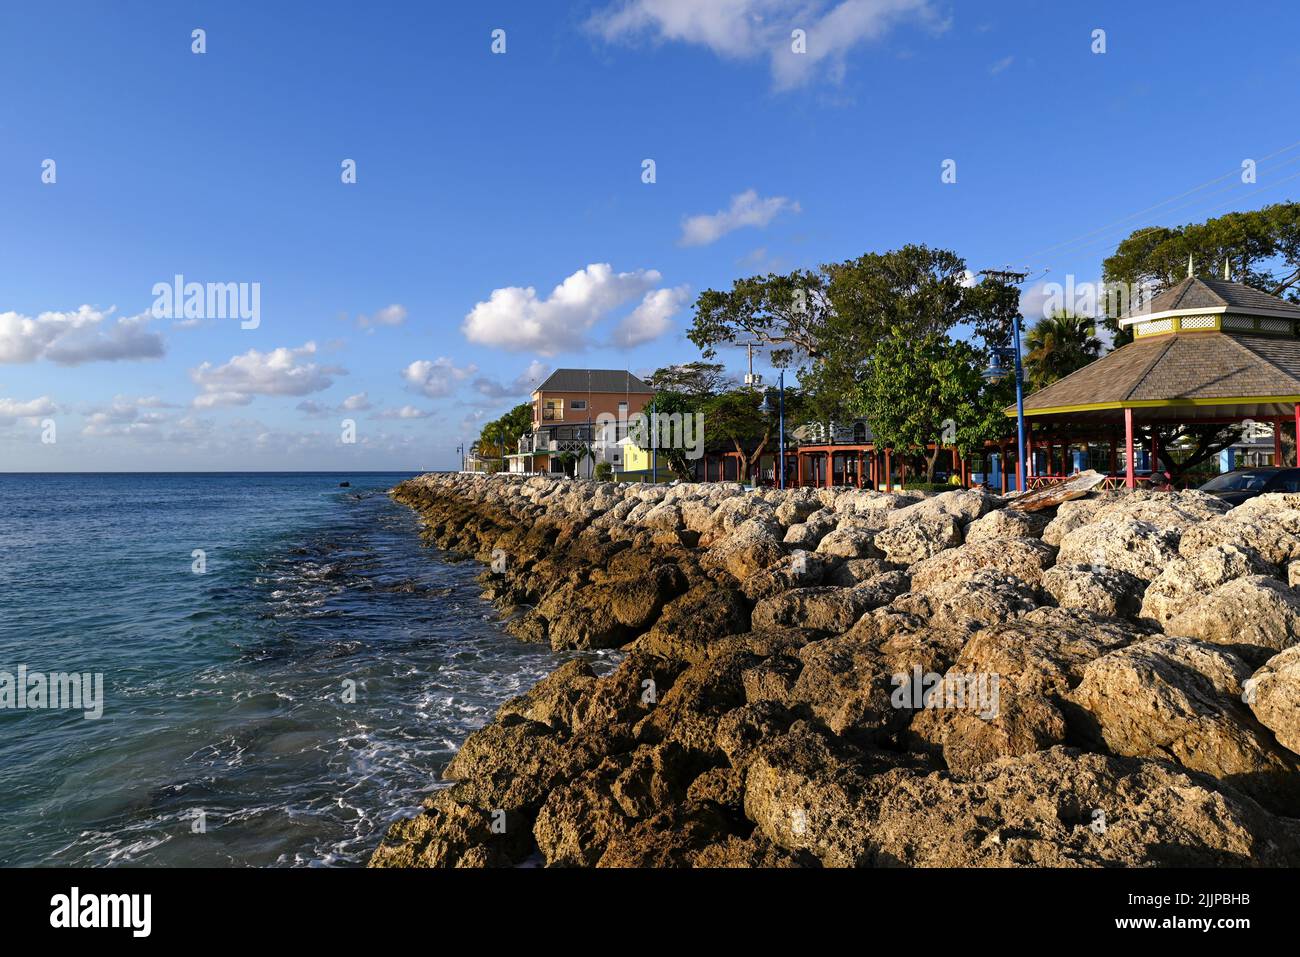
x,y
1204,352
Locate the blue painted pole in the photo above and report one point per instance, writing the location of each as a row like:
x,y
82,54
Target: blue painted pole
x,y
781,430
1020,407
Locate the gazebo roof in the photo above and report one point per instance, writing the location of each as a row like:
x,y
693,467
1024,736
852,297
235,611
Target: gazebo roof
x,y
1208,296
1204,349
1257,375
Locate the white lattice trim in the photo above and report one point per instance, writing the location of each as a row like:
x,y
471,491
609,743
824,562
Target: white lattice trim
x,y
1154,328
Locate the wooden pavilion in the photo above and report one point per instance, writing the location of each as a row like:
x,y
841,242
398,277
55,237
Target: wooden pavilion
x,y
1204,352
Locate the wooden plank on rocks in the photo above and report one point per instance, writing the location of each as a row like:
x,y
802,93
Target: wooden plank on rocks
x,y
1054,495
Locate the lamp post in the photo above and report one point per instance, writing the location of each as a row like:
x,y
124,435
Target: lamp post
x,y
996,372
460,450
766,409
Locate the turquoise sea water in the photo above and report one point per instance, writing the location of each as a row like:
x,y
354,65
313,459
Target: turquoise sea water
x,y
225,691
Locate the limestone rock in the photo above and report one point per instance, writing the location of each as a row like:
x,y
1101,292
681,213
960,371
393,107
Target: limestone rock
x,y
1103,591
1174,698
1255,610
1273,694
1025,558
1126,544
1186,580
1003,523
921,536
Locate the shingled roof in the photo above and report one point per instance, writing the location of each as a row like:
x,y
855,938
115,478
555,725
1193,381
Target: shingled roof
x,y
592,380
1195,294
1258,375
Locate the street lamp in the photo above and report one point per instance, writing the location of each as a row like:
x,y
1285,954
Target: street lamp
x,y
766,409
460,450
996,372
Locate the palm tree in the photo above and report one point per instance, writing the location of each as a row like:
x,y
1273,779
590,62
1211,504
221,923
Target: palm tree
x,y
1058,345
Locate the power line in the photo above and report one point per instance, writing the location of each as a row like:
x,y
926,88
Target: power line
x,y
1164,202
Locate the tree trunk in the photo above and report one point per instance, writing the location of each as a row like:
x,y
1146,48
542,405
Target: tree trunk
x,y
930,460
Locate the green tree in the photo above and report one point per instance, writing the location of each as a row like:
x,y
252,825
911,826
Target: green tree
x,y
500,437
1058,345
735,416
692,378
828,322
926,391
676,403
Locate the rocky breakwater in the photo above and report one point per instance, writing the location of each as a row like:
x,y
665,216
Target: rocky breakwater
x,y
835,677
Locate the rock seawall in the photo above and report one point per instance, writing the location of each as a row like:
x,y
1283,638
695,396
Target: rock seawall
x,y
837,677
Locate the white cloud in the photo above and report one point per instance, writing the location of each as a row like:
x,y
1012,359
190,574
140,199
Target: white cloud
x,y
747,29
515,318
522,384
1001,65
127,415
11,410
393,315
281,371
652,318
71,338
405,412
438,377
746,209
356,403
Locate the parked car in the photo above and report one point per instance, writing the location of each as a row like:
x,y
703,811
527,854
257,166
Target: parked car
x,y
1239,485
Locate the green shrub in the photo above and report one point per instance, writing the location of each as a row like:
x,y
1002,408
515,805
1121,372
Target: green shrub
x,y
604,471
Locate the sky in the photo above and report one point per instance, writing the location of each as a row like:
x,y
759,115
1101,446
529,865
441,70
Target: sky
x,y
503,220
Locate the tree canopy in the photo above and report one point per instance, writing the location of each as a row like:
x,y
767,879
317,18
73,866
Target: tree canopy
x,y
827,323
1058,345
928,391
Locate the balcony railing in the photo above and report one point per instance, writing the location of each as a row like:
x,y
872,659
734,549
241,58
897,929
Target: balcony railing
x,y
541,442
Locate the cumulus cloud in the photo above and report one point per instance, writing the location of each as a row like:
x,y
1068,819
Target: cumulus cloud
x,y
405,412
748,29
437,377
393,315
522,384
356,403
72,338
11,410
516,318
746,209
127,415
281,371
652,318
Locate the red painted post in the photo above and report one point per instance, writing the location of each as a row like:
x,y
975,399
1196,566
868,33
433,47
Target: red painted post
x,y
830,469
889,468
1277,443
1129,478
1297,434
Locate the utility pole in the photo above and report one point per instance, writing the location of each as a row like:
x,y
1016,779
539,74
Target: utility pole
x,y
1015,279
751,380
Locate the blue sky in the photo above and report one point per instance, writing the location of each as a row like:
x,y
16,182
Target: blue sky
x,y
402,301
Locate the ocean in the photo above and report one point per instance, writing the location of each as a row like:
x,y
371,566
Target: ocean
x,y
285,668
